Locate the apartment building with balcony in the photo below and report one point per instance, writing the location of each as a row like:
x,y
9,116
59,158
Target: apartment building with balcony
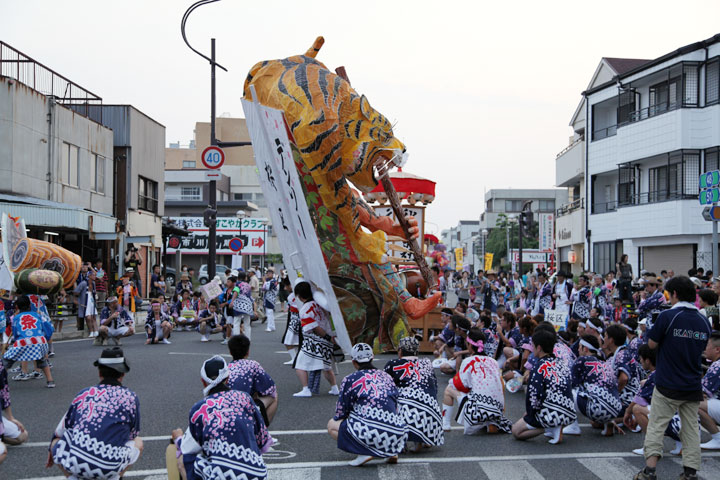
x,y
651,131
570,174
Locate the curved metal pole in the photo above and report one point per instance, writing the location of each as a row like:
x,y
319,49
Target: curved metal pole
x,y
182,29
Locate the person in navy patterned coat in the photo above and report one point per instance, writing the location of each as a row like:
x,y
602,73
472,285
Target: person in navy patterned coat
x,y
415,379
367,419
250,377
549,401
98,437
594,387
226,436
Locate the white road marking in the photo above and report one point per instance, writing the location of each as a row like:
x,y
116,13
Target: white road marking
x,y
515,469
199,354
304,473
156,477
609,468
711,466
709,469
405,472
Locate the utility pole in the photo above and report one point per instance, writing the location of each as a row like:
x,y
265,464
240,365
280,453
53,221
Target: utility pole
x,y
525,221
211,212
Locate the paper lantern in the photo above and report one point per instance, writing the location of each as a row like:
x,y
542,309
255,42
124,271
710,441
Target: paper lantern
x,y
572,256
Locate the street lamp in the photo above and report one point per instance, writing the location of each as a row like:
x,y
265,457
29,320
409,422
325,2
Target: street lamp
x,y
240,215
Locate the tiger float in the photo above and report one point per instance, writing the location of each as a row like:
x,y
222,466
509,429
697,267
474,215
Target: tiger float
x,y
338,137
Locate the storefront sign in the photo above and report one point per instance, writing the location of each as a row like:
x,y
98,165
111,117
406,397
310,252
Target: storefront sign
x,y
546,231
254,235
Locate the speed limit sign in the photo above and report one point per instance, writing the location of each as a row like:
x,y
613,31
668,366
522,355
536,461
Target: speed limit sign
x,y
213,157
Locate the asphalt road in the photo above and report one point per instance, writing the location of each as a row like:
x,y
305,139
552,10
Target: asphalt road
x,y
166,378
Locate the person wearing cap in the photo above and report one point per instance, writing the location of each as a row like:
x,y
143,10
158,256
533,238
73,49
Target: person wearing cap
x,y
477,388
367,420
157,325
680,335
184,283
291,338
417,385
595,388
270,294
316,351
98,437
115,323
226,436
29,342
652,298
250,377
489,291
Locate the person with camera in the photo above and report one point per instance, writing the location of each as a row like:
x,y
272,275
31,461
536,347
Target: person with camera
x,y
133,260
625,276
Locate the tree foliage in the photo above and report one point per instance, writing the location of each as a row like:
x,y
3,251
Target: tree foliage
x,y
497,240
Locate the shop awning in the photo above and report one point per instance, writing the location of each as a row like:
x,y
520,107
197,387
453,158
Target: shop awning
x,y
43,213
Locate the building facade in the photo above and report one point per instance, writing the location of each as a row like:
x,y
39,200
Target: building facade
x,y
509,201
570,173
652,131
465,235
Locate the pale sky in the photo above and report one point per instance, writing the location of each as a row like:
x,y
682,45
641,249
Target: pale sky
x,y
482,92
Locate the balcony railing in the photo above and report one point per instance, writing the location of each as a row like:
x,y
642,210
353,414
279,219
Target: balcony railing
x,y
652,111
18,66
570,207
604,207
569,147
183,198
605,132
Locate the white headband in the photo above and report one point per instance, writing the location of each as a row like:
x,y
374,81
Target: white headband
x,y
222,375
588,345
594,327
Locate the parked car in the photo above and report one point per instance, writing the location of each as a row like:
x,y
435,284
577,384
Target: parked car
x,y
169,276
203,274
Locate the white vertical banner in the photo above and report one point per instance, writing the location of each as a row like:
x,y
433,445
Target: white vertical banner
x,y
283,192
546,231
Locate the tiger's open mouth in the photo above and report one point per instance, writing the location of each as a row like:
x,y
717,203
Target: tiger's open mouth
x,y
385,163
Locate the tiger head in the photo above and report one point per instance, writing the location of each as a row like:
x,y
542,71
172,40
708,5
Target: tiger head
x,y
370,142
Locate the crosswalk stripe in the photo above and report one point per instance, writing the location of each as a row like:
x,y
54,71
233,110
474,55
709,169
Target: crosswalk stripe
x,y
312,473
709,469
405,472
609,468
515,469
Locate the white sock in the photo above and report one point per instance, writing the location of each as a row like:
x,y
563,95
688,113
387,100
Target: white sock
x,y
292,353
447,414
715,436
270,313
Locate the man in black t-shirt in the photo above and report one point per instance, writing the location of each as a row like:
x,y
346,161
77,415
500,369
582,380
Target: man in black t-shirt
x,y
680,336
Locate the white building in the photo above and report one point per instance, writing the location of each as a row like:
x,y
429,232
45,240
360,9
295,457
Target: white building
x,y
652,130
509,201
570,173
464,235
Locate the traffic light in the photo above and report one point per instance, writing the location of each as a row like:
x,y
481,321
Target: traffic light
x,y
209,217
526,219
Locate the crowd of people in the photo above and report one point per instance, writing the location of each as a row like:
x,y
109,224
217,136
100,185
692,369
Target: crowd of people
x,y
641,356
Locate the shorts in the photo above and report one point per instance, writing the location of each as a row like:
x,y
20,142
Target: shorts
x,y
11,430
714,409
118,332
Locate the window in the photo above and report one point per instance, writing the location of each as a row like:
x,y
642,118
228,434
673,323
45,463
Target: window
x,y
605,256
259,200
147,195
626,105
69,164
547,206
712,82
691,88
712,159
626,184
678,179
190,193
242,196
513,205
664,96
97,173
189,164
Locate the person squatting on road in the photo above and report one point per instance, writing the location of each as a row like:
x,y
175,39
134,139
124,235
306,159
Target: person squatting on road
x,y
226,436
115,323
98,437
367,419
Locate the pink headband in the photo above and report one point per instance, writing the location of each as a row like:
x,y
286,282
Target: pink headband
x,y
479,344
156,303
